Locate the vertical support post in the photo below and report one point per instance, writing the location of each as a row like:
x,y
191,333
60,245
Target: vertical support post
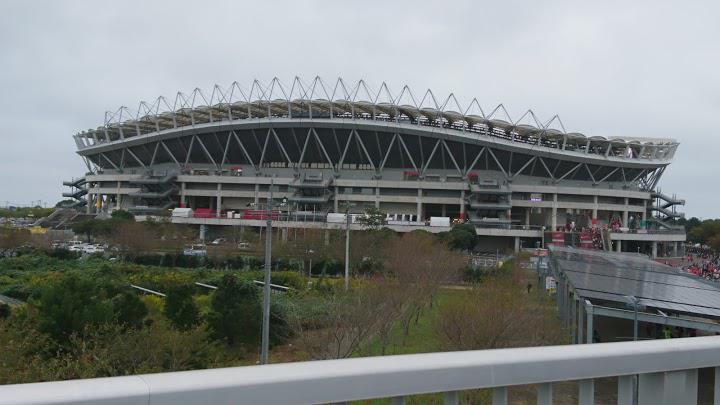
x,y
527,216
347,248
517,244
654,250
581,322
218,205
651,389
595,207
679,387
586,392
266,286
544,394
500,396
589,329
573,319
451,398
182,194
553,220
419,206
716,390
335,198
625,390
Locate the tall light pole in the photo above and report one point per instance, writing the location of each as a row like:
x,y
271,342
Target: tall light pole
x,y
265,345
347,247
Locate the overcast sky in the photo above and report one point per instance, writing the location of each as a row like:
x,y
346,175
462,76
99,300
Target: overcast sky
x,y
607,68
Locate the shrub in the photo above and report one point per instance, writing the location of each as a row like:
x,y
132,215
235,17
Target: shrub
x,y
180,307
235,312
71,304
129,309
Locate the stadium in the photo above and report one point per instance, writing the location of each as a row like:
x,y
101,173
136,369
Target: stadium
x,y
330,148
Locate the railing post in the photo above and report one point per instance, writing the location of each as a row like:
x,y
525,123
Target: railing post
x,y
586,392
716,396
625,390
451,398
500,396
544,394
651,389
691,386
679,387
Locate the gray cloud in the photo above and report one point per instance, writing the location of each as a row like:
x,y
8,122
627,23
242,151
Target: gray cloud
x,y
607,68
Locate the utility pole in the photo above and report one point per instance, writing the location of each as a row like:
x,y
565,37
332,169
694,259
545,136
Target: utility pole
x,y
347,247
266,287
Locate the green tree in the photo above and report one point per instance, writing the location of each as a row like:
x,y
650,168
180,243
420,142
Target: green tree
x,y
180,307
122,215
373,219
462,237
70,304
129,309
93,227
4,310
235,312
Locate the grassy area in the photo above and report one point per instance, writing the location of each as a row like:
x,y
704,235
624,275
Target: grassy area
x,y
421,337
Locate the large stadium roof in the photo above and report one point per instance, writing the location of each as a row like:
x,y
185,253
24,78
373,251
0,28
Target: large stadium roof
x,y
345,100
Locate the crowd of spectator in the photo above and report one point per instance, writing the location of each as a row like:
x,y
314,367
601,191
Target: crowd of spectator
x,y
702,262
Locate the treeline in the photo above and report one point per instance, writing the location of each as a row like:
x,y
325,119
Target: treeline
x,y
25,212
706,232
82,319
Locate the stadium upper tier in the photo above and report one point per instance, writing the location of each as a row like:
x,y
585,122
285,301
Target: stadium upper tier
x,y
279,104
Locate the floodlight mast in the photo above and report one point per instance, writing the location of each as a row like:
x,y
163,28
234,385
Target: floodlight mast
x,y
265,345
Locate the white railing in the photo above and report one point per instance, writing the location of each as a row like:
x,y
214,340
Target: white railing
x,y
667,372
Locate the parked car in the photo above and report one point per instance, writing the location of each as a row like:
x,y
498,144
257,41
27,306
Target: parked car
x,y
195,250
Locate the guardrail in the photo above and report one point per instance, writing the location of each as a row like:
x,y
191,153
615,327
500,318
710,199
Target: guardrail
x,y
667,372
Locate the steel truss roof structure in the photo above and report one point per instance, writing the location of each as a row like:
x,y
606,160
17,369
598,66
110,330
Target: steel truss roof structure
x,y
352,127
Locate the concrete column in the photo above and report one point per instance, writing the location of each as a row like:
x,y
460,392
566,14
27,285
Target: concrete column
x,y
675,249
618,246
335,204
419,205
462,202
257,193
284,233
89,198
182,194
554,213
595,207
444,211
644,213
118,196
654,250
517,244
218,205
625,214
377,197
527,216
